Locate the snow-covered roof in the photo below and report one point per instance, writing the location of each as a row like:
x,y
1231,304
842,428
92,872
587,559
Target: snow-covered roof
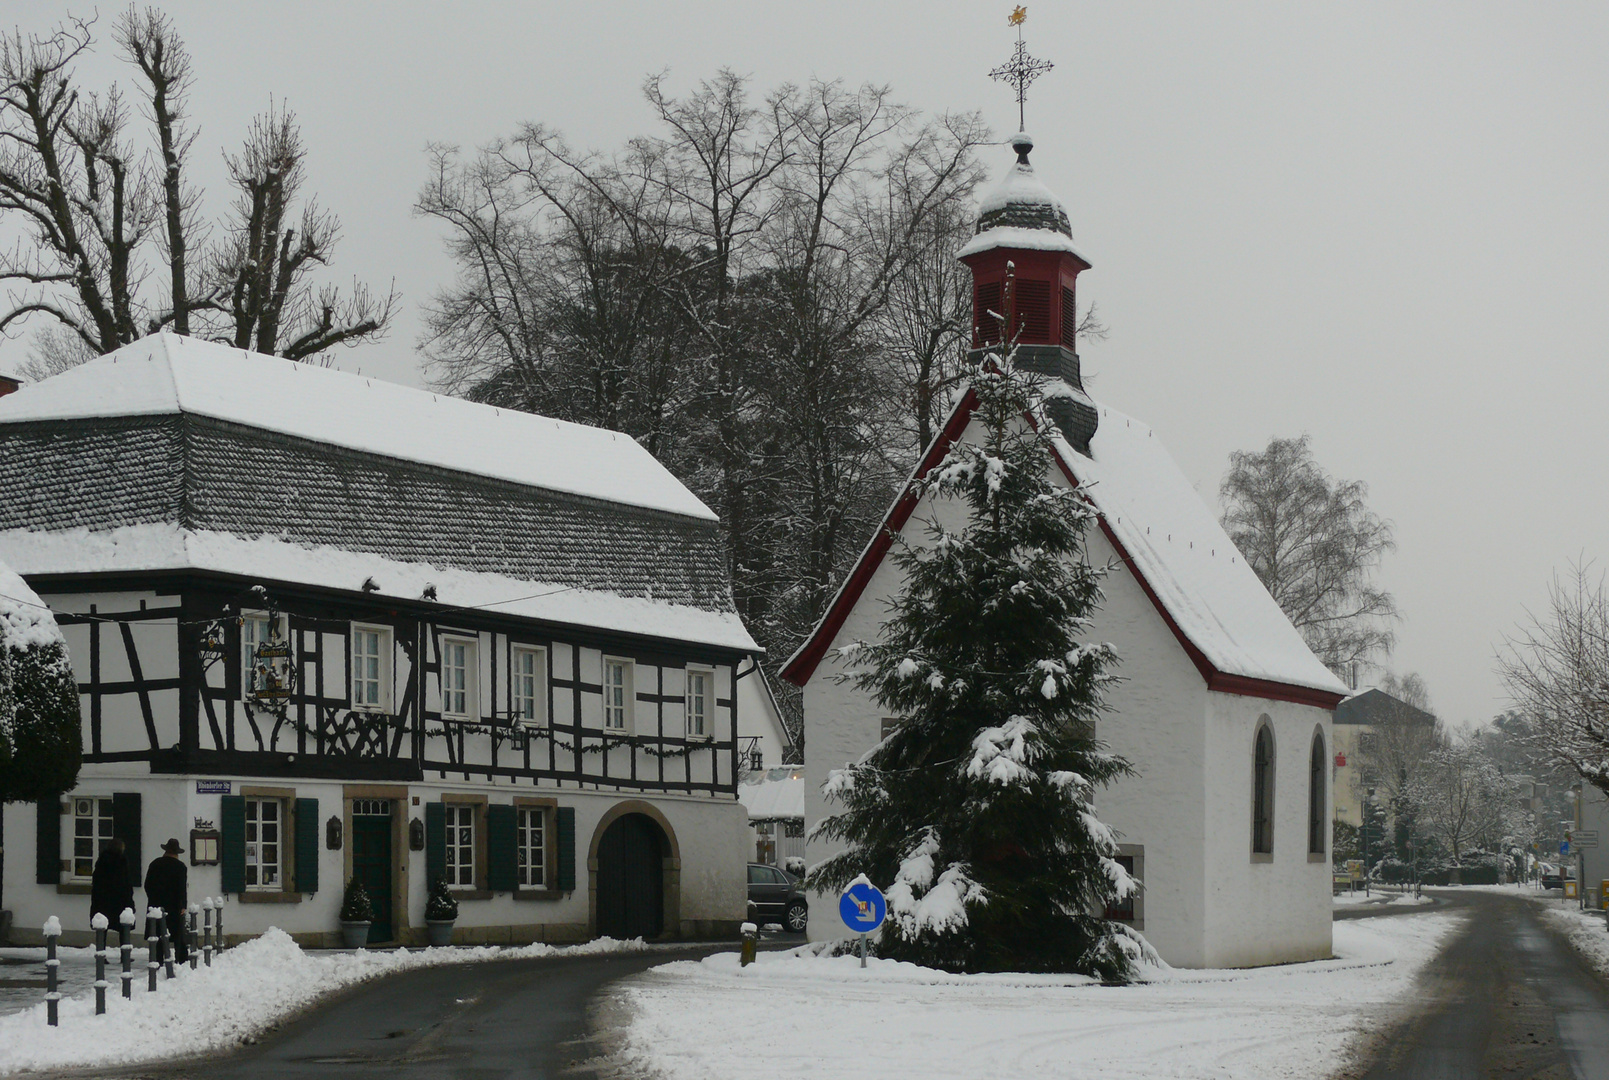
x,y
168,374
1186,559
155,547
1019,211
772,800
1220,612
24,619
1031,239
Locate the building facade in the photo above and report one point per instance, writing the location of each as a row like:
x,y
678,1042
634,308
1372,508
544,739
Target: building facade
x,y
329,628
1223,710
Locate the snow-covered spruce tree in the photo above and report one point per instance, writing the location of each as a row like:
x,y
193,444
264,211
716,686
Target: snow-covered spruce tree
x,y
975,813
40,747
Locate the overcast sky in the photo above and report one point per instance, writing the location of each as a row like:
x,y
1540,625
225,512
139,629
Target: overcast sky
x,y
1383,224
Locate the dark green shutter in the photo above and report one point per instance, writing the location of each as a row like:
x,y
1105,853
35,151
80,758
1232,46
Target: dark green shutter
x,y
306,845
435,843
126,827
47,843
232,846
502,861
566,874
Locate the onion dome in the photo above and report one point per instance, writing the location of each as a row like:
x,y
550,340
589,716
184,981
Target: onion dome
x,y
1020,211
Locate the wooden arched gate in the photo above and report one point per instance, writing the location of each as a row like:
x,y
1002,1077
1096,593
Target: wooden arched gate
x,y
631,878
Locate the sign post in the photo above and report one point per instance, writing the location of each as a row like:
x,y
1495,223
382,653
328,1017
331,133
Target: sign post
x,y
863,909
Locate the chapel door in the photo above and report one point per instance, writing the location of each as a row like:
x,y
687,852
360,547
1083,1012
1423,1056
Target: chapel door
x,y
371,861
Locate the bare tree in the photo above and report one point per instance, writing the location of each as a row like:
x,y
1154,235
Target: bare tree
x,y
99,218
1315,544
1402,735
1556,669
1463,799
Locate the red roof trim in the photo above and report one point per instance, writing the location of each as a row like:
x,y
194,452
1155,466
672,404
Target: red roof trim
x,y
802,665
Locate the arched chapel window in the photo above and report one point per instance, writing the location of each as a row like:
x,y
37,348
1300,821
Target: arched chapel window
x,y
1262,800
1316,796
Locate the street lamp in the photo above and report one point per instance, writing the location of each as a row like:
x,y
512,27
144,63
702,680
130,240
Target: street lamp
x,y
1368,800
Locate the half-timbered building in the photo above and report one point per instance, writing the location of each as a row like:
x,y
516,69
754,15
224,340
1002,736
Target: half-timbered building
x,y
329,627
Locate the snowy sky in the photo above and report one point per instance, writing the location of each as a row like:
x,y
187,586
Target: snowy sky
x,y
1379,223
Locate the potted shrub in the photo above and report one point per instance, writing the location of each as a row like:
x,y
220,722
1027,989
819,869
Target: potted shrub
x,y
441,911
357,915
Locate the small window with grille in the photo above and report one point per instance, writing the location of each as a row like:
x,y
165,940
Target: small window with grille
x,y
92,831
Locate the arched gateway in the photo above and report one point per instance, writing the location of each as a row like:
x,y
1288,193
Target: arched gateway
x,y
634,875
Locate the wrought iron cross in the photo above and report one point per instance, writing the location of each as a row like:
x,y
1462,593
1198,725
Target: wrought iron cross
x,y
1021,69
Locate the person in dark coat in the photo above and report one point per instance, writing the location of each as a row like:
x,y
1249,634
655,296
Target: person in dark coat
x,y
165,888
112,886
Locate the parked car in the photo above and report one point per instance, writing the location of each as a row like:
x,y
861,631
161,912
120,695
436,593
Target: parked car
x,y
1553,878
775,897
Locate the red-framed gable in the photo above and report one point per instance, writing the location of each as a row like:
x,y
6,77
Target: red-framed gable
x,y
801,666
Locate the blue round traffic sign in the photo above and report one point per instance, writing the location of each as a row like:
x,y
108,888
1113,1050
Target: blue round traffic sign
x,y
862,907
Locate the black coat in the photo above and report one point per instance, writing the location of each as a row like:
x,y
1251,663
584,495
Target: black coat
x,y
165,884
112,887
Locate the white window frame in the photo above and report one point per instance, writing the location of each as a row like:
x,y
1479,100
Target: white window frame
x,y
255,844
469,693
707,702
531,859
538,685
250,621
620,717
456,847
99,817
356,677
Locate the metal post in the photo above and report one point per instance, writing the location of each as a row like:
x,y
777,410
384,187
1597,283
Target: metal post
x,y
125,946
217,902
99,925
167,944
153,916
52,997
195,914
863,950
206,930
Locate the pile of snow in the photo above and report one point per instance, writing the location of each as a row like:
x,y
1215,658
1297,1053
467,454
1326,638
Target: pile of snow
x,y
825,1016
1381,899
246,991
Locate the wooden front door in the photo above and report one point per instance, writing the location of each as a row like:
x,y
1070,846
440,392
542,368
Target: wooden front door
x,y
371,862
631,879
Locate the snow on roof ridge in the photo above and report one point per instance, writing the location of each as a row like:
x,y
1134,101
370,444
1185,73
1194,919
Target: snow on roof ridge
x,y
1018,237
357,412
1196,571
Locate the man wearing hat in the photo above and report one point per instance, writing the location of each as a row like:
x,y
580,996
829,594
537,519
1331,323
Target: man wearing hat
x,y
165,881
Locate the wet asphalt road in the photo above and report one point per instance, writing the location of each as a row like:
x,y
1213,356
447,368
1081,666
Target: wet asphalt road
x,y
502,1020
1507,998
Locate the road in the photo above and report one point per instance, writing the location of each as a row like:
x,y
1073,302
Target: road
x,y
501,1020
1507,998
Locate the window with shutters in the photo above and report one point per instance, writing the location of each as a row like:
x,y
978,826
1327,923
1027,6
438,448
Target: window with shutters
x,y
265,845
530,847
1033,311
459,695
528,685
371,668
92,831
460,846
986,306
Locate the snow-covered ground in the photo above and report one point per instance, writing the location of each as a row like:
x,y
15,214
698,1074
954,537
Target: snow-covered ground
x,y
247,990
1380,898
812,1016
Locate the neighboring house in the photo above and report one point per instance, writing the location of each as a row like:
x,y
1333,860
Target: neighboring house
x,y
1590,841
762,739
9,383
327,626
1359,721
775,801
1223,711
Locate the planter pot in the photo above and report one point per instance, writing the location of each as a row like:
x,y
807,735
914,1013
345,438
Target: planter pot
x,y
354,935
441,931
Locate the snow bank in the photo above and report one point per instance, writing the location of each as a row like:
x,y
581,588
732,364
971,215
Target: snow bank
x,y
247,990
824,1016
